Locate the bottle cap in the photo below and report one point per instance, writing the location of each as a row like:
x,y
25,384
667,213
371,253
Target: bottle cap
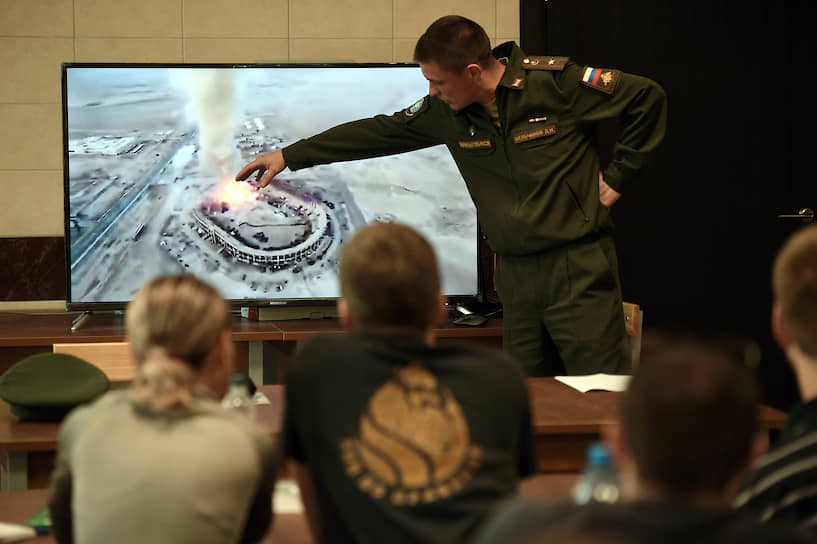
x,y
242,379
598,454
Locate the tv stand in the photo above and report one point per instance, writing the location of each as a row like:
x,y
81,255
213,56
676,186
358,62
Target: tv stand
x,y
287,313
80,320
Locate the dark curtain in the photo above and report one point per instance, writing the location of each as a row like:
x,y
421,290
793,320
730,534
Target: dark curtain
x,y
698,230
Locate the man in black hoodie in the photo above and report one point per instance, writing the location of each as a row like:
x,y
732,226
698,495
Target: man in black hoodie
x,y
395,438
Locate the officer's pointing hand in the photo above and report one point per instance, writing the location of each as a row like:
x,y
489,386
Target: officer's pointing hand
x,y
607,195
271,163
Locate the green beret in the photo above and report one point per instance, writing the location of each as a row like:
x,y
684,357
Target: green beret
x,y
46,386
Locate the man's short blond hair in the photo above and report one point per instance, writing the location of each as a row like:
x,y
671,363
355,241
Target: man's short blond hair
x,y
794,281
388,276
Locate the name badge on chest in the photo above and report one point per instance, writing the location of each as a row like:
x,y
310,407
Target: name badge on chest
x,y
534,133
484,143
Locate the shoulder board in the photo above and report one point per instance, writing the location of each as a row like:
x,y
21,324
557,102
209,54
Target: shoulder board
x,y
544,63
601,79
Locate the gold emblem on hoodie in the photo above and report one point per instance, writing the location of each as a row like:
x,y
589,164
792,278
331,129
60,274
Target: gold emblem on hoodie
x,y
413,444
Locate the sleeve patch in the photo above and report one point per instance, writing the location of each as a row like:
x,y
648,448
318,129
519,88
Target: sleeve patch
x,y
415,109
601,79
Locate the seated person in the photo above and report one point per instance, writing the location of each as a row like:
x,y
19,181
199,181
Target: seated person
x,y
688,434
784,484
395,438
163,461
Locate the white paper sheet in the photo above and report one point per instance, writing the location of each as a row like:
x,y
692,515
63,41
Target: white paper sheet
x,y
596,382
287,498
12,532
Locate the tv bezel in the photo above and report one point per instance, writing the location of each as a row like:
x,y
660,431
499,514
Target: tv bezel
x,y
320,303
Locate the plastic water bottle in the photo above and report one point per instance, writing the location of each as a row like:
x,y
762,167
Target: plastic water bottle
x,y
239,396
599,481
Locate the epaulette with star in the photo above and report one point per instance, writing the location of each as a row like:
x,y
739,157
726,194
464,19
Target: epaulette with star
x,y
544,63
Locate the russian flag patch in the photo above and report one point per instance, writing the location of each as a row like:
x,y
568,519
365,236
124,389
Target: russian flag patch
x,y
600,78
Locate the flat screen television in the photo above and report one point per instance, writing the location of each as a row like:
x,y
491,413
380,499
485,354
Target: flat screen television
x,y
150,156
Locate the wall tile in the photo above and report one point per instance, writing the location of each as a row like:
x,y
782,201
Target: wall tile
x,y
31,136
236,18
499,41
128,19
34,268
31,68
341,50
33,203
412,17
51,18
129,50
507,17
246,50
404,49
347,19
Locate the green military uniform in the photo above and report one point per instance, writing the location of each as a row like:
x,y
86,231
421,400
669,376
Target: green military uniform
x,y
535,182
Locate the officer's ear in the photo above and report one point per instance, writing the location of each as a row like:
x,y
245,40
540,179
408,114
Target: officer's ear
x,y
474,71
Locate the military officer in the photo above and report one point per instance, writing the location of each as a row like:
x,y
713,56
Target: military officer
x,y
520,129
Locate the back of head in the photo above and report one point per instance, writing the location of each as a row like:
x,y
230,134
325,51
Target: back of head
x,y
179,317
690,417
388,276
794,281
454,42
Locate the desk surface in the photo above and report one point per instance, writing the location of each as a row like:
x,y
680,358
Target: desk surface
x,y
559,413
19,330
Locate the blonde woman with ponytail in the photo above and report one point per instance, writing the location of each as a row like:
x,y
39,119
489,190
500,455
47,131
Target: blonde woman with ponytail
x,y
162,461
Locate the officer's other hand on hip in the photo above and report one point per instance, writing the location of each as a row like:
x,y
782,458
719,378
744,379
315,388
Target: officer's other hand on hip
x,y
607,194
267,165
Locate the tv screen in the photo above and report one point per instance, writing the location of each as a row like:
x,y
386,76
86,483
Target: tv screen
x,y
150,157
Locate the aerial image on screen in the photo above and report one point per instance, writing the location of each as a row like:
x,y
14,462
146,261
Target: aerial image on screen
x,y
151,157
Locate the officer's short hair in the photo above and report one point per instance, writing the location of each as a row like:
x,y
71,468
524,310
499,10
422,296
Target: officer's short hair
x,y
689,415
454,42
388,276
180,316
794,281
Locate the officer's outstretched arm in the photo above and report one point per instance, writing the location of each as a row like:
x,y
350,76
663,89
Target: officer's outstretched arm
x,y
268,165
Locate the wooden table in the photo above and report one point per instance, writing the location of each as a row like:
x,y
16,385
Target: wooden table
x,y
263,347
565,421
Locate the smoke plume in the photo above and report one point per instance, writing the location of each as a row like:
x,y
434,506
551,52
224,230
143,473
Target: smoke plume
x,y
212,105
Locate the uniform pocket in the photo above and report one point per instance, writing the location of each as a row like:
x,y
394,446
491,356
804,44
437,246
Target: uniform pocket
x,y
575,197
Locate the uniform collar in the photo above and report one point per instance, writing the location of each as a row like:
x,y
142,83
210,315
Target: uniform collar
x,y
514,76
513,71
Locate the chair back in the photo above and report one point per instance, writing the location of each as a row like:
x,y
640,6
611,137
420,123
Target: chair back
x,y
112,358
633,324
